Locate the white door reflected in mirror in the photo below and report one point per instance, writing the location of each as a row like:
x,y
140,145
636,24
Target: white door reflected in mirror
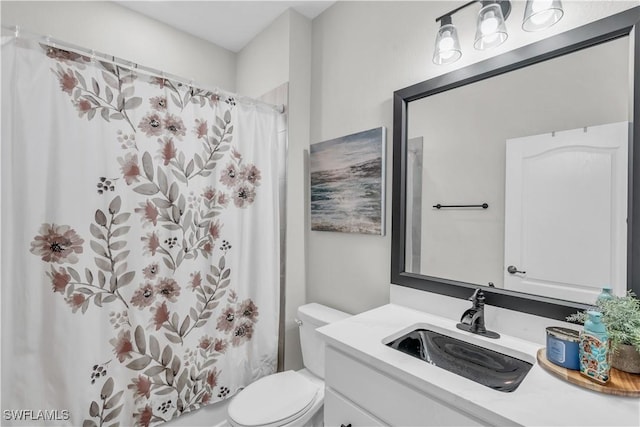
x,y
565,213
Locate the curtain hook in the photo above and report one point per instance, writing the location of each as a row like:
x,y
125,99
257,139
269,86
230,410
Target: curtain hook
x,y
17,31
47,40
585,129
553,133
93,55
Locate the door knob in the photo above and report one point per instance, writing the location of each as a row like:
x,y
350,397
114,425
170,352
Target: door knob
x,y
512,269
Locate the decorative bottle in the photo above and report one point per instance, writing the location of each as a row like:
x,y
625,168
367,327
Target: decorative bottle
x,y
605,295
594,349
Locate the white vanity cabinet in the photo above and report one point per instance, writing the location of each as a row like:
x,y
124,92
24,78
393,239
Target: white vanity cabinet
x,y
359,395
370,384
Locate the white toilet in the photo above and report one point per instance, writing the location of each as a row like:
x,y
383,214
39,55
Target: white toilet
x,y
290,398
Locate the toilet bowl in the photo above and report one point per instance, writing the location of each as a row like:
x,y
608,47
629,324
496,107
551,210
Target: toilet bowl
x,y
289,398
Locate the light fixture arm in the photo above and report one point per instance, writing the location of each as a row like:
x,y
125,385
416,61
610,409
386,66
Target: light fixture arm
x,y
505,5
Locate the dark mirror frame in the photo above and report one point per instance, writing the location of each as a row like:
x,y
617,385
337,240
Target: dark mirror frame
x,y
610,28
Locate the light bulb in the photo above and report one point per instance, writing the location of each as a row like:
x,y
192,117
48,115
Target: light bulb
x,y
446,42
489,23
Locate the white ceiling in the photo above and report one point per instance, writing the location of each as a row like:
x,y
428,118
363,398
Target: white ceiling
x,y
229,24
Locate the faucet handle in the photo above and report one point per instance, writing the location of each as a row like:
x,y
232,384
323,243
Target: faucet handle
x,y
478,297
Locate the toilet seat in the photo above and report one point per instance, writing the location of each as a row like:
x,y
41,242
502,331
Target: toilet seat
x,y
273,400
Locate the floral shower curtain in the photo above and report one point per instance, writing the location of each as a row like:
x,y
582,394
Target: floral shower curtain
x,y
140,242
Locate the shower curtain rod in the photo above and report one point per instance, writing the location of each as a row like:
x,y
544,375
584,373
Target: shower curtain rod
x,y
55,43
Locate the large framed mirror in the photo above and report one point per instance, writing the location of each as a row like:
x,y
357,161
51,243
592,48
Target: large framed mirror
x,y
521,174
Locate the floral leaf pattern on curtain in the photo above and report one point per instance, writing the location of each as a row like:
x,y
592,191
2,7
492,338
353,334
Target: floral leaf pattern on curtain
x,y
173,309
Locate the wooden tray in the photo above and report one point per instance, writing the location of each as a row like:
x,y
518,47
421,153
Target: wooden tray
x,y
620,384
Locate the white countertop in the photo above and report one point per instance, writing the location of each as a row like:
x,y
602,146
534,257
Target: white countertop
x,y
541,400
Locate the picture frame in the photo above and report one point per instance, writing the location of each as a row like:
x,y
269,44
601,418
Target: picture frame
x,y
347,177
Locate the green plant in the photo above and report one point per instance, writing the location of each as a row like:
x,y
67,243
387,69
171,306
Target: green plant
x,y
621,316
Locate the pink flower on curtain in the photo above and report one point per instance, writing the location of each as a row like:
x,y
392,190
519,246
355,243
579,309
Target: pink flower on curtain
x,y
244,195
174,125
151,243
160,315
59,279
158,103
168,288
64,55
229,175
223,199
151,271
57,243
214,229
207,249
212,377
68,82
76,301
226,320
161,82
248,310
83,107
196,280
220,345
250,173
168,151
209,194
144,296
205,398
149,213
201,128
205,342
144,416
122,346
241,333
141,387
129,167
151,124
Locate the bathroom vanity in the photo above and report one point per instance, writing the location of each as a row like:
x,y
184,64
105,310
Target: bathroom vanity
x,y
369,383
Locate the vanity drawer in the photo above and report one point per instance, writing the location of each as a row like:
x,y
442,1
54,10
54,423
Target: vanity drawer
x,y
389,400
338,411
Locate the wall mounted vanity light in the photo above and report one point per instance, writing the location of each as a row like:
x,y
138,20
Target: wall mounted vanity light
x,y
491,30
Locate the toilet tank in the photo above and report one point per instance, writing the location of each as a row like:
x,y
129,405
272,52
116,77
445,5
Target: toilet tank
x,y
313,316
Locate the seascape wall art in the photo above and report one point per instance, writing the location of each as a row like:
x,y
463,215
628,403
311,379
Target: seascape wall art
x,y
347,183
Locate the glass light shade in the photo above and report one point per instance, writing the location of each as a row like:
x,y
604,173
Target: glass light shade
x,y
447,45
541,14
491,30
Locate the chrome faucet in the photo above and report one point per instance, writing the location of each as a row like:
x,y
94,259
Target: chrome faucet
x,y
473,319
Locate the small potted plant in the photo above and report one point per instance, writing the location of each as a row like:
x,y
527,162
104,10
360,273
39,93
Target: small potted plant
x,y
621,316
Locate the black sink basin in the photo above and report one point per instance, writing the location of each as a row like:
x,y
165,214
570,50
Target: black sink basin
x,y
487,367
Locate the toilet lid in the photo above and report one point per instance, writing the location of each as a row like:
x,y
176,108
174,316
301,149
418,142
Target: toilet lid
x,y
274,399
